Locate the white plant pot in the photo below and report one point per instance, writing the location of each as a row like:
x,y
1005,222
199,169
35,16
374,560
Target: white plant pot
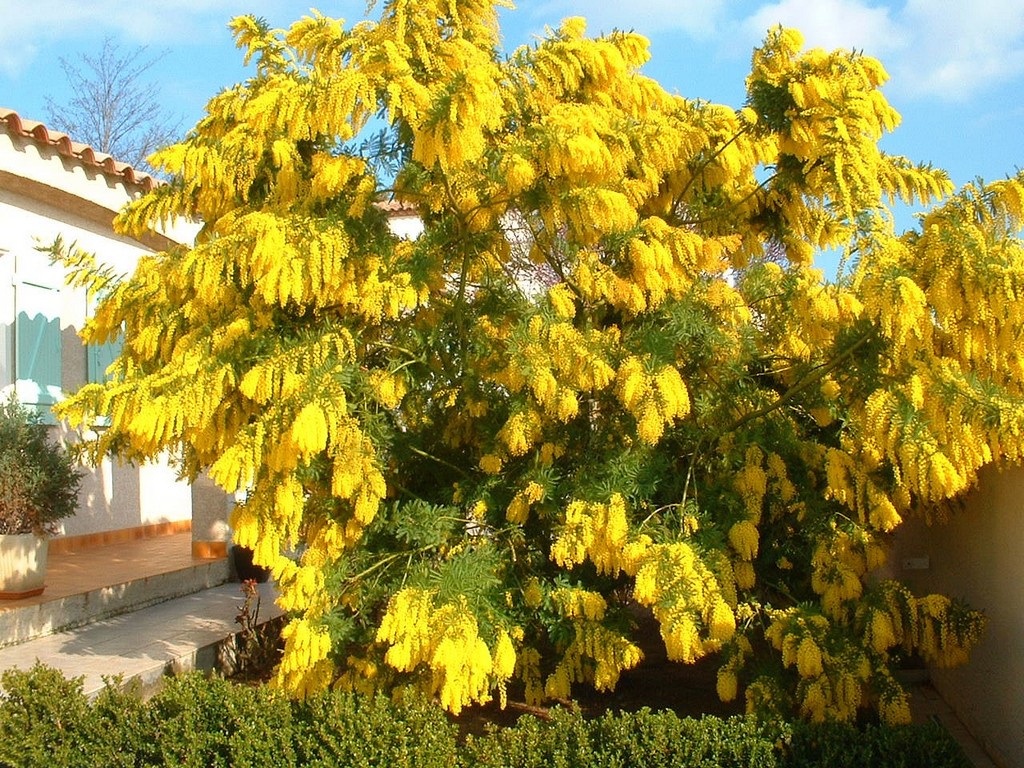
x,y
22,565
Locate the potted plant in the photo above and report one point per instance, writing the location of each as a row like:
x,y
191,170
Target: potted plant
x,y
39,485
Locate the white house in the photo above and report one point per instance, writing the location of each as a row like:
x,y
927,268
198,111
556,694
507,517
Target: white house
x,y
52,186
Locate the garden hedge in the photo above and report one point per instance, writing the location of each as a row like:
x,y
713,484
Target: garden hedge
x,y
46,721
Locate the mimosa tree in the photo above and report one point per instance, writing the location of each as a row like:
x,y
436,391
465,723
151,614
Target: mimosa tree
x,y
606,378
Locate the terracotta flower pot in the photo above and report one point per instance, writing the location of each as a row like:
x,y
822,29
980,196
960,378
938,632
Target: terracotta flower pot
x,y
22,565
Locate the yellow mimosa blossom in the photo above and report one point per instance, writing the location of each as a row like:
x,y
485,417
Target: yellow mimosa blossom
x,y
553,343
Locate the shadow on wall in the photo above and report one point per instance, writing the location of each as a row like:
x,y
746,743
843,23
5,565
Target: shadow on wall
x,y
977,555
41,360
111,498
112,494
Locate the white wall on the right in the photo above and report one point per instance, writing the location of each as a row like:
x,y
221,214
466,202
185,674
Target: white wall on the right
x,y
978,556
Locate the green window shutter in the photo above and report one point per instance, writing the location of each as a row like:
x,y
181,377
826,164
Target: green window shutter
x,y
100,356
37,347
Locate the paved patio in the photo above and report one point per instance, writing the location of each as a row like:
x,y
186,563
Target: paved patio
x,y
140,609
185,633
71,573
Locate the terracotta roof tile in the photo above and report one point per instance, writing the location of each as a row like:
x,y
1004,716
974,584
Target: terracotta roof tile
x,y
39,133
397,207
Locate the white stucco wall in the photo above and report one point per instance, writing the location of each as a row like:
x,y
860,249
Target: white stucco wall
x,y
978,556
42,196
409,226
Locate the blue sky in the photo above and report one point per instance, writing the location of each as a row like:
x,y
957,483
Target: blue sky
x,y
957,67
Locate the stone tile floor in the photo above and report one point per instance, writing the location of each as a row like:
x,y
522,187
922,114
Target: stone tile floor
x,y
927,703
181,633
93,568
184,633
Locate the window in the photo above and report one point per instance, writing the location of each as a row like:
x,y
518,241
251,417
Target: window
x,y
100,356
37,341
98,359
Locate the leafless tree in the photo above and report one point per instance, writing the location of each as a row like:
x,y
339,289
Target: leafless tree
x,y
113,106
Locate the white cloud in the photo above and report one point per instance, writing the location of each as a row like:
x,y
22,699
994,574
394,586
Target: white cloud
x,y
697,18
159,23
945,49
194,33
18,47
960,48
830,24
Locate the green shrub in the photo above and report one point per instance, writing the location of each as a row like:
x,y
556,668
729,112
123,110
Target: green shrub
x,y
562,742
344,730
841,745
38,480
205,722
660,739
47,722
644,738
127,729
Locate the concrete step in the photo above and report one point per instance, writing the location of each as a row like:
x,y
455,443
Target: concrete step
x,y
25,620
195,631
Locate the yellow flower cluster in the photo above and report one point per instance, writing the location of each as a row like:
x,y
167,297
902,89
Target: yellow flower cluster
x,y
599,532
520,432
360,675
751,481
851,484
300,586
894,707
946,632
389,388
305,664
726,684
664,262
744,537
835,116
356,477
572,64
831,687
557,363
822,308
491,463
654,399
533,595
778,475
734,653
445,639
407,627
941,631
881,632
914,448
528,670
838,566
596,654
503,665
562,301
519,508
579,604
729,304
686,599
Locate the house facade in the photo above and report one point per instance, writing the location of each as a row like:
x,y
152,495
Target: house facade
x,y
51,186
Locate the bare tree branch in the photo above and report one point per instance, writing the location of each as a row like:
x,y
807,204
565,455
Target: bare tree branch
x,y
114,107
